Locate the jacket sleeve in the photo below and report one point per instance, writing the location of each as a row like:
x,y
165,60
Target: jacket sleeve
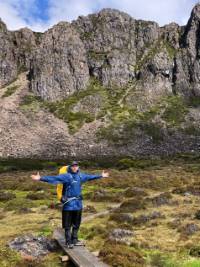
x,y
88,177
57,179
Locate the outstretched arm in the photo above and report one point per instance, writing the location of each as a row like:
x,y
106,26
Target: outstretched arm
x,y
88,177
57,179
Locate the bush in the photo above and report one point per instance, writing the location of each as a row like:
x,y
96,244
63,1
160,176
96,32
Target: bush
x,y
159,260
132,205
5,196
37,195
195,251
10,90
121,217
18,204
197,215
121,255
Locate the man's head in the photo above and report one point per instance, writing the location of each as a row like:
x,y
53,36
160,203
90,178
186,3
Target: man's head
x,y
74,166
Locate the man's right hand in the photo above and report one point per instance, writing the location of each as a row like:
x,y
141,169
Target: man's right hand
x,y
105,174
36,177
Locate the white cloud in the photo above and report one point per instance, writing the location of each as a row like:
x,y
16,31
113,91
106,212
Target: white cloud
x,y
162,12
19,13
69,10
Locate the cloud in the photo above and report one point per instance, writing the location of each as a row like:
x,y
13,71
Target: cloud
x,y
27,13
21,13
162,12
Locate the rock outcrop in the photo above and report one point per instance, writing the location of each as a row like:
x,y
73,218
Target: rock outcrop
x,y
105,85
59,65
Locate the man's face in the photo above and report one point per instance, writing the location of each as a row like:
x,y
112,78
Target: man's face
x,y
74,168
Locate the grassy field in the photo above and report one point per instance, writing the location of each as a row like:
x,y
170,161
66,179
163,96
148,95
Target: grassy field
x,y
159,206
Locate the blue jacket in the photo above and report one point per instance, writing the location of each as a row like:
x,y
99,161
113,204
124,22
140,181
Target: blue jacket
x,y
72,186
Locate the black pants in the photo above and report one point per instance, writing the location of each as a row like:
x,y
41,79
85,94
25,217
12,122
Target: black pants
x,y
71,220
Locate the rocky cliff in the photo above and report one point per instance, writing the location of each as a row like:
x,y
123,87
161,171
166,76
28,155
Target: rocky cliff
x,y
105,85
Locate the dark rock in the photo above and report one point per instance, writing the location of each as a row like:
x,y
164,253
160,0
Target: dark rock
x,y
144,218
162,199
121,235
103,195
59,65
197,215
187,190
189,229
121,217
35,246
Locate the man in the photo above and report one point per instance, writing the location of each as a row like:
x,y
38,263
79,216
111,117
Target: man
x,y
71,198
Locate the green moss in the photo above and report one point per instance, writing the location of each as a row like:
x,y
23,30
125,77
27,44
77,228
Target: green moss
x,y
97,55
153,130
27,164
10,90
125,123
159,259
193,101
170,49
29,99
9,257
31,103
18,204
86,35
95,21
192,130
191,263
45,231
10,82
38,36
62,109
121,255
152,51
175,110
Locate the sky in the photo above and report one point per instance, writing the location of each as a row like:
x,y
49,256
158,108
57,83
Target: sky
x,y
39,15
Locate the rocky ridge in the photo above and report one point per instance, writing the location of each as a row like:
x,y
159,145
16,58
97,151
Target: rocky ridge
x,y
104,85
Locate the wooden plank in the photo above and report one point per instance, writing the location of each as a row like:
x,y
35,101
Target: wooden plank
x,y
79,255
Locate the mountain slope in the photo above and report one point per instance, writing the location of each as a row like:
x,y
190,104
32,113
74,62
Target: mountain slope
x,y
105,85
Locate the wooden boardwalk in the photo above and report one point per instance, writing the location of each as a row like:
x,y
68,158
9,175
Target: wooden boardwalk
x,y
79,255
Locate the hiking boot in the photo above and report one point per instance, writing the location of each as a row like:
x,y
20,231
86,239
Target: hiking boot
x,y
69,245
78,243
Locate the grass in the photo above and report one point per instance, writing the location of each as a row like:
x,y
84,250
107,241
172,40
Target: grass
x,y
155,242
175,110
8,257
194,101
10,90
63,109
27,164
191,263
31,103
170,49
127,123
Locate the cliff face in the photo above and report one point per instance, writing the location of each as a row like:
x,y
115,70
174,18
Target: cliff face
x,y
103,85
